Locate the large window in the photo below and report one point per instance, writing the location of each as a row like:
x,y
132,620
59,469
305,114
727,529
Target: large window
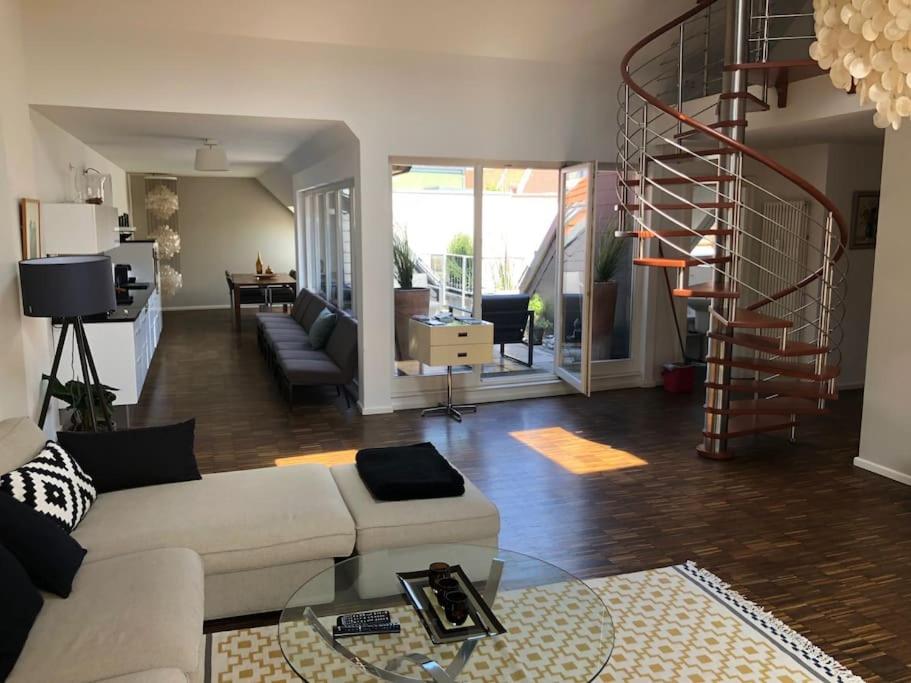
x,y
326,226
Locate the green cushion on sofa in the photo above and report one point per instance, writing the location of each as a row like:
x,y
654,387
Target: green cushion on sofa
x,y
321,329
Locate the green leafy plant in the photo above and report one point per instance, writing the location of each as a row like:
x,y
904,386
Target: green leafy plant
x,y
539,306
404,260
459,245
608,256
78,396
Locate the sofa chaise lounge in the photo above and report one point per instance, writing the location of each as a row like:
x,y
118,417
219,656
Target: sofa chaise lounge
x,y
161,559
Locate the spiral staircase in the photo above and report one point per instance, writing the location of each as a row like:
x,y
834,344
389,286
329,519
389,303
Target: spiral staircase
x,y
760,243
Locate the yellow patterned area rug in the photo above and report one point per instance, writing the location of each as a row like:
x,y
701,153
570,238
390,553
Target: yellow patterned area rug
x,y
677,623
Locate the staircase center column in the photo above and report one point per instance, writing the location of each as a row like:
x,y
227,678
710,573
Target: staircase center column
x,y
727,275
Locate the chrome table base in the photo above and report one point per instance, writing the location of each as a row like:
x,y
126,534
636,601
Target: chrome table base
x,y
449,409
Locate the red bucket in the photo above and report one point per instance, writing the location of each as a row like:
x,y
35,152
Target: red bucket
x,y
679,378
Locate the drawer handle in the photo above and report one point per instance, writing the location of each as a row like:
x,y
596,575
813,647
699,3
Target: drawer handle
x,y
463,354
463,334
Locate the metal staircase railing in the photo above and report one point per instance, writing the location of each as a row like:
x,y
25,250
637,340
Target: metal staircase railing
x,y
773,270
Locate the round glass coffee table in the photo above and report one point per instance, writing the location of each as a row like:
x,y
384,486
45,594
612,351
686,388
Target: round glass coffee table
x,y
554,627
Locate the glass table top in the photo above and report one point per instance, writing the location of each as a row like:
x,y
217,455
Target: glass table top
x,y
557,628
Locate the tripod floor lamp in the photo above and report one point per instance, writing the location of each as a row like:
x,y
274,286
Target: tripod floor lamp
x,y
68,288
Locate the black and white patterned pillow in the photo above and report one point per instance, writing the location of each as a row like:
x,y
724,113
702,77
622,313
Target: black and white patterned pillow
x,y
53,484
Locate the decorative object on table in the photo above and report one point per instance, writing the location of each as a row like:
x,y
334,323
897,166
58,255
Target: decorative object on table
x,y
409,300
163,224
608,257
864,220
94,183
865,45
53,484
30,227
464,616
408,473
133,458
746,643
70,287
259,264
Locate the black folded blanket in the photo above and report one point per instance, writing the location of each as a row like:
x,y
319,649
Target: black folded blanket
x,y
408,473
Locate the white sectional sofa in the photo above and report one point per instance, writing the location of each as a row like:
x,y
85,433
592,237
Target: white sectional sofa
x,y
161,559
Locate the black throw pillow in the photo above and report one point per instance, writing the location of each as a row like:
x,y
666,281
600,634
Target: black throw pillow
x,y
21,603
408,473
49,554
135,457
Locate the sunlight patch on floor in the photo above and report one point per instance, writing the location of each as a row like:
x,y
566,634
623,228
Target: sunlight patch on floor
x,y
327,458
575,454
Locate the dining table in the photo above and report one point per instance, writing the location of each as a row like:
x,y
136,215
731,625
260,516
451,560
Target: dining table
x,y
254,281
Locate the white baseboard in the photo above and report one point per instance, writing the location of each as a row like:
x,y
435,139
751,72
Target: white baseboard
x,y
381,410
883,471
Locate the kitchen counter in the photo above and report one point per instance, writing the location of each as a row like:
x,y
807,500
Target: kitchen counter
x,y
125,313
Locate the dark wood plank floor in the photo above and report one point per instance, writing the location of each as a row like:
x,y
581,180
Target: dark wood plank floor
x,y
603,485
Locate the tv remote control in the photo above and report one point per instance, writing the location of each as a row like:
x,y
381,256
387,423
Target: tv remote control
x,y
364,618
364,630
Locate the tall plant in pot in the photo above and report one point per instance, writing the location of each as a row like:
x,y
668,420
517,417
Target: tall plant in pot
x,y
608,259
409,300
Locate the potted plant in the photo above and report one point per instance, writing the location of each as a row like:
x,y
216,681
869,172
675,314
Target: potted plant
x,y
542,324
604,293
409,300
77,395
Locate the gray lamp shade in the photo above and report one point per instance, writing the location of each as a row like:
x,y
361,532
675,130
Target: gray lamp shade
x,y
67,286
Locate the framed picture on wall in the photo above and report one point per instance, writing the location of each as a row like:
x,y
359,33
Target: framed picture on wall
x,y
864,220
30,227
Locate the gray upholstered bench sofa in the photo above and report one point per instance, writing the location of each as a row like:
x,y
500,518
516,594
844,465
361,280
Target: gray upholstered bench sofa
x,y
285,342
161,559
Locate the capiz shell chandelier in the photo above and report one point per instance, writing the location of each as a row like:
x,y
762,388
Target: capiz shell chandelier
x,y
162,202
168,242
171,280
868,42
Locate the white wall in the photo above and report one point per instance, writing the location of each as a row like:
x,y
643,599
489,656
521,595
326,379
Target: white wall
x,y
56,150
396,102
224,223
855,168
885,437
24,342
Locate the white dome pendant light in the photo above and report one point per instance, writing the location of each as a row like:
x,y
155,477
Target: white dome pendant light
x,y
211,157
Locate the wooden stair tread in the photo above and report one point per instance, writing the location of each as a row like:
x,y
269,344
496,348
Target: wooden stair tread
x,y
716,151
676,180
649,234
679,262
779,405
733,123
770,344
779,367
783,387
744,425
708,291
753,103
678,207
747,319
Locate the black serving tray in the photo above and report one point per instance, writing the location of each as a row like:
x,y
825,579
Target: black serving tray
x,y
481,622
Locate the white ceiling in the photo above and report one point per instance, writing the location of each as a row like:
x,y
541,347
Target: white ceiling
x,y
542,30
145,141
